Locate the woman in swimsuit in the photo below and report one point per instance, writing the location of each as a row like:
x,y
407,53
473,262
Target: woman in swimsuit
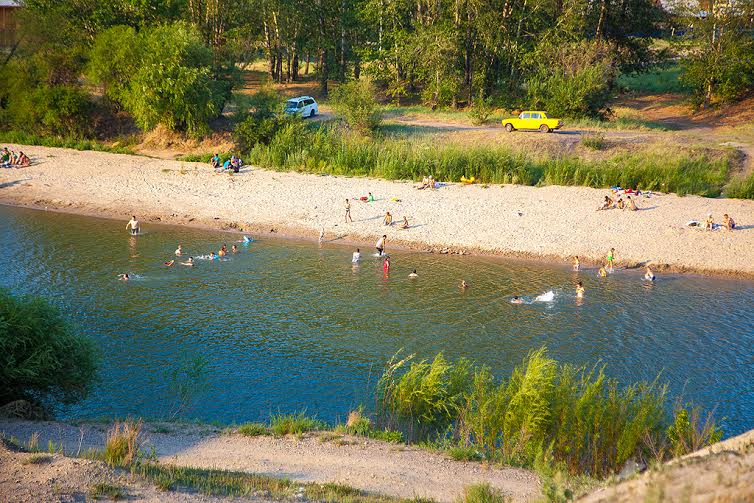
x,y
631,204
348,211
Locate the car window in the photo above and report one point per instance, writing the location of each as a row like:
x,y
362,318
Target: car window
x,y
309,102
526,116
535,116
544,116
300,104
290,104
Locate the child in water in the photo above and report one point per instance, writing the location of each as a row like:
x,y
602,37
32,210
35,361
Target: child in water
x,y
464,285
580,290
170,263
179,251
413,274
223,251
610,259
649,275
123,277
234,249
602,272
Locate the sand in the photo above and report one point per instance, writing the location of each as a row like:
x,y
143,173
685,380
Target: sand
x,y
552,223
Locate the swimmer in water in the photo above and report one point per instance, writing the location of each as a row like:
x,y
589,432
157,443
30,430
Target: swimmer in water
x,y
602,272
223,251
580,290
356,256
517,300
134,225
386,265
189,262
413,274
234,249
179,251
123,277
464,285
576,263
212,256
649,275
170,263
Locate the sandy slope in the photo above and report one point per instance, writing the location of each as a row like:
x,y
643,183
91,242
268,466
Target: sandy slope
x,y
372,466
507,220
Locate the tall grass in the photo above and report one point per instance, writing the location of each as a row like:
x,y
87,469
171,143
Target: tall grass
x,y
122,443
294,424
22,138
664,79
741,188
330,150
572,417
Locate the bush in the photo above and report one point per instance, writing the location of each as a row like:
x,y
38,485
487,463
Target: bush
x,y
593,141
482,493
42,359
481,110
253,430
294,424
257,130
122,443
741,188
355,102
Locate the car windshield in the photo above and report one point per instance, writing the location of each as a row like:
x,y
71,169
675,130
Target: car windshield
x,y
291,104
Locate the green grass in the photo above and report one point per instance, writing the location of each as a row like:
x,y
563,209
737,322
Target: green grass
x,y
239,484
21,138
294,424
617,124
253,429
37,459
741,188
662,80
594,141
109,491
461,453
330,150
482,493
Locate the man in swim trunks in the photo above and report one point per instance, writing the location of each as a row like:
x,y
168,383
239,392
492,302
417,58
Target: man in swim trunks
x,y
381,245
134,225
610,259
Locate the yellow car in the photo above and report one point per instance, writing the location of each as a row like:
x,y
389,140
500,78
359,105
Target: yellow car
x,y
532,120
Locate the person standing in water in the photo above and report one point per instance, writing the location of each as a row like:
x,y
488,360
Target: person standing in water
x,y
649,275
610,259
386,266
413,274
356,256
580,290
234,249
602,272
179,251
381,245
134,225
576,263
348,211
464,285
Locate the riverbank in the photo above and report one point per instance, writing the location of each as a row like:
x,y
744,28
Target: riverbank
x,y
550,223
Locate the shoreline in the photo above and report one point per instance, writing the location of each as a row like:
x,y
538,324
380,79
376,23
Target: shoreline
x,y
534,224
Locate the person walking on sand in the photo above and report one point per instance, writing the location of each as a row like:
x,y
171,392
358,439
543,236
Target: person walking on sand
x,y
610,259
179,251
576,263
134,225
381,245
580,291
348,211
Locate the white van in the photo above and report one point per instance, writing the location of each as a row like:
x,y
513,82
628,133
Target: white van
x,y
305,106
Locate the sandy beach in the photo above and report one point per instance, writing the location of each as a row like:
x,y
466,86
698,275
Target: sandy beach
x,y
551,223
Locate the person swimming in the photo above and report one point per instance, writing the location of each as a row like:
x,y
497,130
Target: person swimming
x,y
356,256
576,263
464,285
134,225
580,290
170,263
123,277
234,249
649,275
413,274
189,262
212,256
517,300
179,251
223,250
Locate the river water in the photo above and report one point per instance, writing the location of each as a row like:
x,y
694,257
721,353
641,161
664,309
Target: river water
x,y
287,325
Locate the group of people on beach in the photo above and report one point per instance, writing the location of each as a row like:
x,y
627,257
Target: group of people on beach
x,y
9,159
387,220
231,165
629,204
728,223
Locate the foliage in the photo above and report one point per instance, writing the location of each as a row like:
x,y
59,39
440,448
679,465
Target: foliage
x,y
689,433
362,426
481,110
294,424
545,413
742,188
122,443
113,60
355,102
594,141
23,138
482,493
253,430
327,150
660,80
42,359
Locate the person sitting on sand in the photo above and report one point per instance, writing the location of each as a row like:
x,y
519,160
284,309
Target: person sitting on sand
x,y
179,250
728,222
631,204
464,285
370,198
5,158
381,245
602,272
225,167
123,277
620,204
649,275
404,225
234,249
189,262
517,300
23,160
134,225
606,204
356,256
215,162
710,223
388,219
413,274
425,183
580,290
576,263
610,259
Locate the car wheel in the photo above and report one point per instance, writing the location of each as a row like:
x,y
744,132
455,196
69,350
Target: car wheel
x,y
313,113
544,128
509,127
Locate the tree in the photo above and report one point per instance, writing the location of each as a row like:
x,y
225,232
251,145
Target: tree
x,y
42,360
355,102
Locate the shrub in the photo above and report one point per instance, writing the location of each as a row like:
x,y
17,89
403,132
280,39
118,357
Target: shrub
x,y
741,188
113,60
688,433
355,102
594,141
482,493
481,110
253,430
42,360
293,424
257,130
122,443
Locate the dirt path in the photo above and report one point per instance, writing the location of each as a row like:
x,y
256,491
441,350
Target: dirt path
x,y
372,466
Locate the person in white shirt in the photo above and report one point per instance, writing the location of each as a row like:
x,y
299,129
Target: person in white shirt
x,y
356,256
